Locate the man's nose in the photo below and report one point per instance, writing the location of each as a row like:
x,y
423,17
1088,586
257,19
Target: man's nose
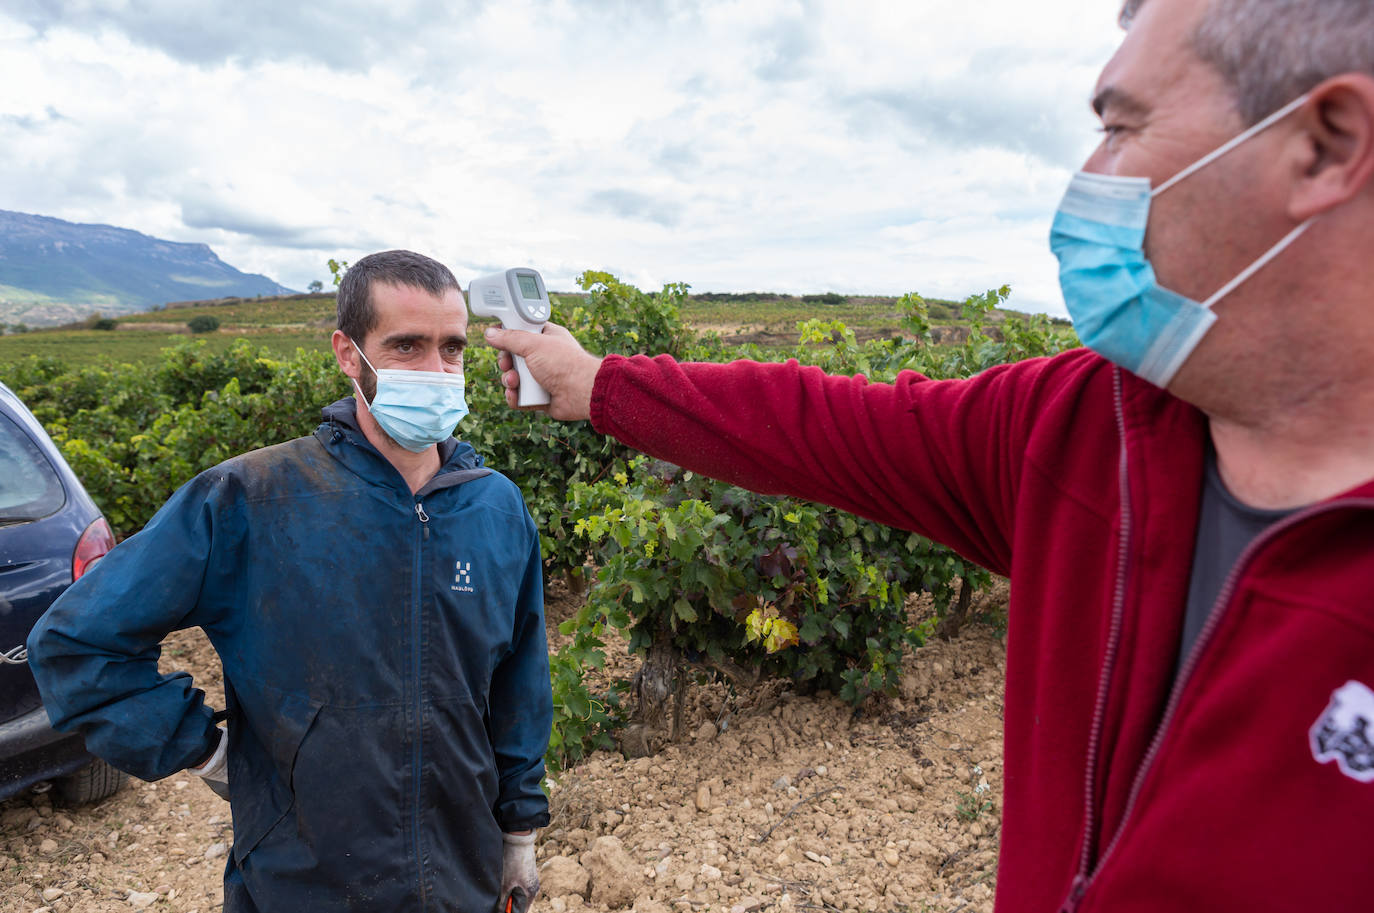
x,y
1098,162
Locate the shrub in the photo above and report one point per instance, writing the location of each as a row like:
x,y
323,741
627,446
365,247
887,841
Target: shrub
x,y
622,319
203,323
133,436
747,585
744,585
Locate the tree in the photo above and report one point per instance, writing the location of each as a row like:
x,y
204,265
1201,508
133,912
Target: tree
x,y
203,323
316,286
337,268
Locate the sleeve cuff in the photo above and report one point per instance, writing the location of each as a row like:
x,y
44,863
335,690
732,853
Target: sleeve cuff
x,y
523,822
215,768
600,397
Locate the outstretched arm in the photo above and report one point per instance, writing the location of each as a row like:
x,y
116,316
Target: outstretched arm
x,y
942,458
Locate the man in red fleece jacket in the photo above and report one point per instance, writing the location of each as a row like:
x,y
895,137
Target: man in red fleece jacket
x,y
1185,507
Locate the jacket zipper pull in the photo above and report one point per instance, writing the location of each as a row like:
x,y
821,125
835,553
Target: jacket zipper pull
x,y
1076,892
424,519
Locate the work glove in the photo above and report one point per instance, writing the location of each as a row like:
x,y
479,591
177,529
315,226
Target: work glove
x,y
215,772
519,876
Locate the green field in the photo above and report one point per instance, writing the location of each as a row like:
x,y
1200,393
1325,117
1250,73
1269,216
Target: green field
x,y
300,311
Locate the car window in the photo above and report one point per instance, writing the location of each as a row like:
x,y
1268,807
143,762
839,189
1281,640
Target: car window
x,y
29,486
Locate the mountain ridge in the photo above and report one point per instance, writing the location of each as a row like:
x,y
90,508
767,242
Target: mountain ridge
x,y
53,271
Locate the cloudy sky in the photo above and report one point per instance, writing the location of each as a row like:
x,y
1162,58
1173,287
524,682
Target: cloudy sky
x,y
736,145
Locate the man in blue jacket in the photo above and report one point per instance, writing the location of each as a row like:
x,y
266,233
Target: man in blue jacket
x,y
376,600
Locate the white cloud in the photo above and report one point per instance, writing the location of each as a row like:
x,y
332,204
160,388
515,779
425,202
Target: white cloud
x,y
792,145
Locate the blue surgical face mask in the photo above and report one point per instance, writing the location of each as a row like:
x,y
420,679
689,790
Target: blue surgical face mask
x,y
1118,307
417,409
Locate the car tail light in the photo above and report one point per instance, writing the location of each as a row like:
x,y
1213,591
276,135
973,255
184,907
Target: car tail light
x,y
94,542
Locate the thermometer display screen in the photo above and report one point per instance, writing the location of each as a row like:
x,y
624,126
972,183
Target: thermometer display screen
x,y
528,287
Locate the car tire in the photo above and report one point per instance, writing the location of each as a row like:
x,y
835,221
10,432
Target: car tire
x,y
91,783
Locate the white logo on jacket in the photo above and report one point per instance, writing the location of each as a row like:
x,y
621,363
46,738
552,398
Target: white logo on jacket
x,y
1344,732
462,580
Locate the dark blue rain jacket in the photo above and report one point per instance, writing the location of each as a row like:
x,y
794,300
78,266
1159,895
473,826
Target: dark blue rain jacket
x,y
385,668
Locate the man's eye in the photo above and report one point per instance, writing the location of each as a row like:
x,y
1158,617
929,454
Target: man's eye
x,y
1112,135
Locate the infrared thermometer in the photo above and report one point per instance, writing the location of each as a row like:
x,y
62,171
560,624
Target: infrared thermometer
x,y
519,300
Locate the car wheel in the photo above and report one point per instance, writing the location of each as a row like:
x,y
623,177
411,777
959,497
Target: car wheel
x,y
91,783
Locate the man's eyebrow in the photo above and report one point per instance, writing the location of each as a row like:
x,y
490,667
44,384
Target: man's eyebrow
x,y
1118,99
396,339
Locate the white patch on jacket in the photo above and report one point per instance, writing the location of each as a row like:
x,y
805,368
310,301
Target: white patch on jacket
x,y
462,581
1344,733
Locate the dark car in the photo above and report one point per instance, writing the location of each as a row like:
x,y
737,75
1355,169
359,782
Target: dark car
x,y
50,533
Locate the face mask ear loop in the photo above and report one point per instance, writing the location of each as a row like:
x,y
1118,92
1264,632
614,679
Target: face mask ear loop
x,y
1226,147
359,390
354,380
1259,264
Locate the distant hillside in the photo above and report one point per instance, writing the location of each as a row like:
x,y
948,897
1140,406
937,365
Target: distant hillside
x,y
54,272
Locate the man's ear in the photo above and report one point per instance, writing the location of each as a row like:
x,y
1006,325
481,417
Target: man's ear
x,y
346,354
1337,159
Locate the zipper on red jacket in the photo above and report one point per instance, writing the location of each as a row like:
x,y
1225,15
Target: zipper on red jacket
x,y
1085,862
1076,892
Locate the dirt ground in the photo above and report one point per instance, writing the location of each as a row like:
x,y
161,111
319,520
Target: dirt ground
x,y
771,801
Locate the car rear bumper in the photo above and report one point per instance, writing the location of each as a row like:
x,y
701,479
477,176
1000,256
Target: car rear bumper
x,y
31,751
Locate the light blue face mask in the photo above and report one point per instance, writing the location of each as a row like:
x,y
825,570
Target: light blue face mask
x,y
417,409
1119,309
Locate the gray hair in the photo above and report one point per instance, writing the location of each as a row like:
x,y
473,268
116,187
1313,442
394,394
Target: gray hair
x,y
356,315
1272,51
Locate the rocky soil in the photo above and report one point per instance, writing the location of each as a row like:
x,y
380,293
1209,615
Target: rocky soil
x,y
156,846
772,801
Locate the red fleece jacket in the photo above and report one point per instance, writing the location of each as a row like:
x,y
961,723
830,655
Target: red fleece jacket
x,y
1124,790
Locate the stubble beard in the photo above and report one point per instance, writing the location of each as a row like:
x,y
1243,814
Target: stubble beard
x,y
367,381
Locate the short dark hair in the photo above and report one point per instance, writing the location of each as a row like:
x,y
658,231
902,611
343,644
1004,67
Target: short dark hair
x,y
356,316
